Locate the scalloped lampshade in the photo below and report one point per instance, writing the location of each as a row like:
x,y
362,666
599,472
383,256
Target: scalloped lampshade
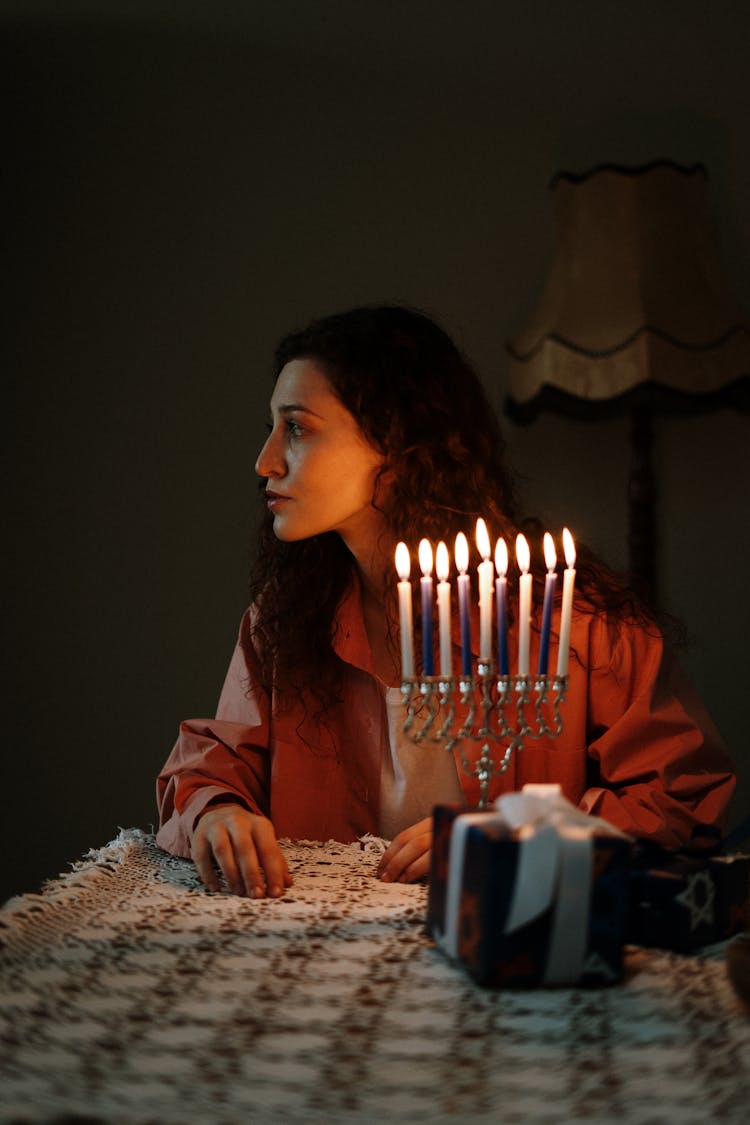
x,y
635,314
635,293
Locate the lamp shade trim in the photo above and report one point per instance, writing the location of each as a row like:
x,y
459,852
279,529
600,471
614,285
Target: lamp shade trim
x,y
647,358
627,170
635,293
593,353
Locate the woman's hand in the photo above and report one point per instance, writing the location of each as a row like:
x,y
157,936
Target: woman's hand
x,y
245,848
408,856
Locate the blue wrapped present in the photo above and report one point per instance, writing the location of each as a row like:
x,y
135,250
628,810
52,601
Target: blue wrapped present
x,y
533,892
685,898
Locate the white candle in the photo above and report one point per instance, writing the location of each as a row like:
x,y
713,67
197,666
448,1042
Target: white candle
x,y
485,574
569,578
550,582
463,583
523,558
442,567
501,594
403,566
425,562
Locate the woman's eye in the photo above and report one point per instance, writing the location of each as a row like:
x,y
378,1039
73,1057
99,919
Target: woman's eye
x,y
292,427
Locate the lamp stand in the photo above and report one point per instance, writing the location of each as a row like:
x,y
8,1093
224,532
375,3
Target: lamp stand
x,y
642,505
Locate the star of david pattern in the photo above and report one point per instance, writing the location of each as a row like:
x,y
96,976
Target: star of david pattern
x,y
698,898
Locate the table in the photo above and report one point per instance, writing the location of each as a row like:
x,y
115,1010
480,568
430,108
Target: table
x,y
129,994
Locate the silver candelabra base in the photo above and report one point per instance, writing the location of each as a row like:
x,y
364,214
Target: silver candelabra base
x,y
502,710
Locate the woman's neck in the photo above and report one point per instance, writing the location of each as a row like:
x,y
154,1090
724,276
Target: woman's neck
x,y
375,610
374,563
385,661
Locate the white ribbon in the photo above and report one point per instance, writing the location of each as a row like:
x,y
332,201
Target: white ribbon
x,y
554,866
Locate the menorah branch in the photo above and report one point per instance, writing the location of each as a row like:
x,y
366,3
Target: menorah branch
x,y
498,712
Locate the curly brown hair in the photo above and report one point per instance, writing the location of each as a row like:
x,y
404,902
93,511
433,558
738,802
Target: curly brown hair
x,y
420,403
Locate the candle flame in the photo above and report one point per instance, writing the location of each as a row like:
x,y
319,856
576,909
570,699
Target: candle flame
x,y
550,554
442,562
501,558
523,554
425,557
403,562
462,552
483,539
570,549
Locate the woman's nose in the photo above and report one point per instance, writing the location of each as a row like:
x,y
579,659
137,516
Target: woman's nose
x,y
270,461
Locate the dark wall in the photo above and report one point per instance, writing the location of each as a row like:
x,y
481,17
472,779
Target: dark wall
x,y
179,193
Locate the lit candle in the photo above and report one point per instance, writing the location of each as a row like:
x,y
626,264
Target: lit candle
x,y
523,558
403,566
569,578
425,562
442,566
501,588
485,574
462,563
550,582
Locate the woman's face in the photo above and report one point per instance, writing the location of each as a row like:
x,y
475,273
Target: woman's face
x,y
320,469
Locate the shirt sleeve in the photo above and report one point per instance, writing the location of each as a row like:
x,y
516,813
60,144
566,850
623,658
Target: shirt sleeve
x,y
226,758
658,764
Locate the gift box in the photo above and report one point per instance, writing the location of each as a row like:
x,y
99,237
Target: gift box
x,y
531,893
681,901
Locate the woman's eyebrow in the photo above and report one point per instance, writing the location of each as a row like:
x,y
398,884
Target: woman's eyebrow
x,y
297,408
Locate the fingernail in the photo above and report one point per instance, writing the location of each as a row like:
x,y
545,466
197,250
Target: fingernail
x,y
259,892
276,892
386,878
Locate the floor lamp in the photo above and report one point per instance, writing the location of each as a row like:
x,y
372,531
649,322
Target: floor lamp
x,y
635,317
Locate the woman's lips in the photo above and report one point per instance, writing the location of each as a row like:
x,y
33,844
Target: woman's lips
x,y
275,500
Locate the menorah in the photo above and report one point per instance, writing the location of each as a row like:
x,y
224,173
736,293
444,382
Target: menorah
x,y
489,699
498,709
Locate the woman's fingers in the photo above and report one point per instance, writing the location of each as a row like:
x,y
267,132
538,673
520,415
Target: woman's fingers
x,y
203,860
225,854
244,847
212,844
420,868
407,858
271,858
250,878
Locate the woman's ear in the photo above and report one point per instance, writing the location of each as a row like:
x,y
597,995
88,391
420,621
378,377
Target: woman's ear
x,y
384,482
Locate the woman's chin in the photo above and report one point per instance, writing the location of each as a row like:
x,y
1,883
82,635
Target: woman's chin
x,y
287,534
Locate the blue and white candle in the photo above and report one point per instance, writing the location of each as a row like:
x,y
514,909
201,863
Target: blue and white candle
x,y
442,568
550,583
485,574
463,584
425,562
501,599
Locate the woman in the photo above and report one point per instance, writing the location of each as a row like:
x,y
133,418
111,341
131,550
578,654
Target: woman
x,y
380,431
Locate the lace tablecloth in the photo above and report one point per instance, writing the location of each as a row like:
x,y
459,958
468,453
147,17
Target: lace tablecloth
x,y
131,995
